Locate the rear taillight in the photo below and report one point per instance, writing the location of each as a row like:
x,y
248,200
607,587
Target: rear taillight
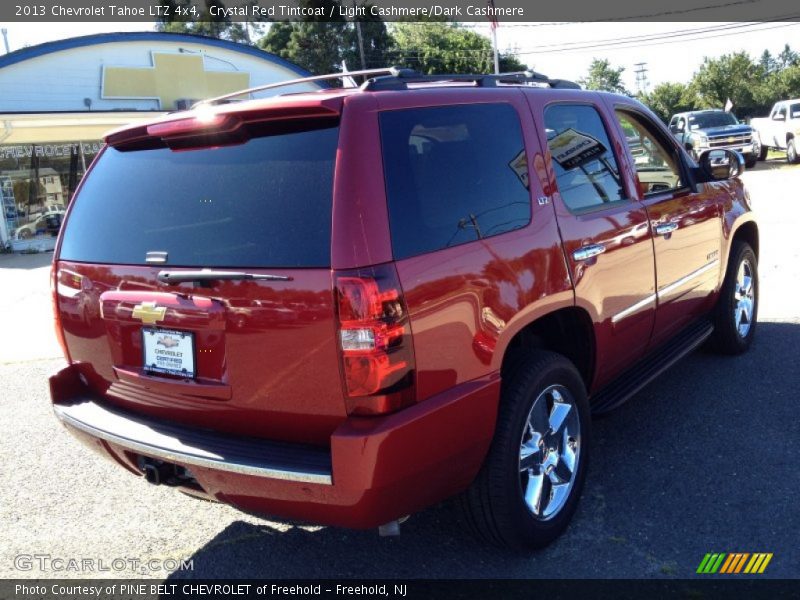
x,y
55,276
375,340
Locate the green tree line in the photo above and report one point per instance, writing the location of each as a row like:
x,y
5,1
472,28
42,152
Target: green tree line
x,y
752,85
320,45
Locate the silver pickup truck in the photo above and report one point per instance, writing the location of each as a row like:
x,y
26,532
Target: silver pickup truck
x,y
779,130
702,130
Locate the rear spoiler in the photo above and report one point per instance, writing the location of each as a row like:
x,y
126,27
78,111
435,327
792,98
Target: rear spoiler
x,y
205,120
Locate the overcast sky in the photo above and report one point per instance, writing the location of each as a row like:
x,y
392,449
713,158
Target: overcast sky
x,y
672,51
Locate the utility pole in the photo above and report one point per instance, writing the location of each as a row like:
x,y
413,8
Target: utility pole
x,y
360,38
641,77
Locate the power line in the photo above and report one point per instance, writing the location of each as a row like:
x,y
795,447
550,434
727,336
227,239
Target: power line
x,y
638,17
655,42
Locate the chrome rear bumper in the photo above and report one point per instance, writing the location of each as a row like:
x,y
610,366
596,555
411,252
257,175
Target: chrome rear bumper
x,y
191,446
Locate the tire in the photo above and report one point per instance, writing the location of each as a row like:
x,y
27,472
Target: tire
x,y
495,505
750,160
791,152
734,322
759,150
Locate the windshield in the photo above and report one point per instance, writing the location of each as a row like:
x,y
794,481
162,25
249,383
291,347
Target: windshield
x,y
713,119
265,203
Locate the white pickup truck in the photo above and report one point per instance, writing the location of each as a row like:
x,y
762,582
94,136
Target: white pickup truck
x,y
779,131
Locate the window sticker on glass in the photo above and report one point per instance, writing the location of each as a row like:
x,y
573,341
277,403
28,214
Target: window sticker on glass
x,y
572,149
519,164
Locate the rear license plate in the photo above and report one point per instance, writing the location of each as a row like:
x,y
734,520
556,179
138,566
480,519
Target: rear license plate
x,y
169,352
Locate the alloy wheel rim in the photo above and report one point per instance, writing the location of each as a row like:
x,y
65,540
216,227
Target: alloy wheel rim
x,y
744,299
550,451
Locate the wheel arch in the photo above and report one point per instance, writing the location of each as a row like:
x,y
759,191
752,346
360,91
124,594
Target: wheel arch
x,y
747,232
567,330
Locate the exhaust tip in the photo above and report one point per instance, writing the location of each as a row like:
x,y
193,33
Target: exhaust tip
x,y
151,474
390,529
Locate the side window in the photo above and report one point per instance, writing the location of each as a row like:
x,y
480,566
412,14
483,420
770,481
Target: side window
x,y
454,174
656,164
794,111
585,168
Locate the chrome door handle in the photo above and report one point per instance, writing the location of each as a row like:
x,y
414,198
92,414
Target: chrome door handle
x,y
587,252
665,228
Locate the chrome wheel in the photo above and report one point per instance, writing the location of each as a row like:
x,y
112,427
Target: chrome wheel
x,y
549,452
744,299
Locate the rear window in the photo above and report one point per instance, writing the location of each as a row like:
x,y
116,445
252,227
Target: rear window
x,y
265,203
453,175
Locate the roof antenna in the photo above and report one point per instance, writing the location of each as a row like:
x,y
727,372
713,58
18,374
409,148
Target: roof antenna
x,y
5,39
348,82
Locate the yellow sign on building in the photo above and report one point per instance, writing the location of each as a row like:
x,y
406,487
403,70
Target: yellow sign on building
x,y
172,77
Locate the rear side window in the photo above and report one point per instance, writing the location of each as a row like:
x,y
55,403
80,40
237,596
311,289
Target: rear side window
x,y
453,175
264,203
585,167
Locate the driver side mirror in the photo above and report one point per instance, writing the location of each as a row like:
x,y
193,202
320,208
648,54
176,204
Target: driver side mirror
x,y
719,165
675,128
779,117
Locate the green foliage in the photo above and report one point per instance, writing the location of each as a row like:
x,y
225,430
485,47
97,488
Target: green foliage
x,y
320,46
669,98
602,76
204,24
731,76
442,47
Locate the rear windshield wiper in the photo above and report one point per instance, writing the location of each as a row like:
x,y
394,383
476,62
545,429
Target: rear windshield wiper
x,y
211,275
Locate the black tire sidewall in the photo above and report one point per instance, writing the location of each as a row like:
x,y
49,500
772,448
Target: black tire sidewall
x,y
791,152
521,529
728,339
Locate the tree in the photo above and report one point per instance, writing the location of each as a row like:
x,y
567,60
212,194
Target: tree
x,y
767,63
602,76
443,47
207,22
669,98
788,57
733,76
320,46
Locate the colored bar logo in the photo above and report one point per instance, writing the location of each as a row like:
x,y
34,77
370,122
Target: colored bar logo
x,y
734,562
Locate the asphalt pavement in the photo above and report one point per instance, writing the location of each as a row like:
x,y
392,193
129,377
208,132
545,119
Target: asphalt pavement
x,y
704,459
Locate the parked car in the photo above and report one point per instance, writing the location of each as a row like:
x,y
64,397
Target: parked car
x,y
486,263
702,130
48,223
779,131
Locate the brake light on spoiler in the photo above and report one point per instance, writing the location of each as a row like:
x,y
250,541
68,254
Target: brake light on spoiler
x,y
374,340
230,121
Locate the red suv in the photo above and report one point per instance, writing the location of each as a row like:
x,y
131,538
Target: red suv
x,y
345,306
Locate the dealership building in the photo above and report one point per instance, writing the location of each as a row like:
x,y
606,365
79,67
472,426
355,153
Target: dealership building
x,y
58,99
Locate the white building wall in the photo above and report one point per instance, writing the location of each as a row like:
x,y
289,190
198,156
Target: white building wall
x,y
61,80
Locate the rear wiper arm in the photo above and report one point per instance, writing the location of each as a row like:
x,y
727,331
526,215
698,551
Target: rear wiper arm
x,y
211,275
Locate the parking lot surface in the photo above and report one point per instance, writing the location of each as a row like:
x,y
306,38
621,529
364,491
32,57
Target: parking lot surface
x,y
702,460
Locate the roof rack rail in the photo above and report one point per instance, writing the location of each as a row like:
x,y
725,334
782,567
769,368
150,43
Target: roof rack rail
x,y
397,78
389,71
400,79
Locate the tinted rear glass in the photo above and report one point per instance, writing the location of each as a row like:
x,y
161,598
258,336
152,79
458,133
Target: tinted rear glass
x,y
265,203
453,175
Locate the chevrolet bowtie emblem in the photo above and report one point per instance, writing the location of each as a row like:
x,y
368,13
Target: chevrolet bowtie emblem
x,y
149,313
